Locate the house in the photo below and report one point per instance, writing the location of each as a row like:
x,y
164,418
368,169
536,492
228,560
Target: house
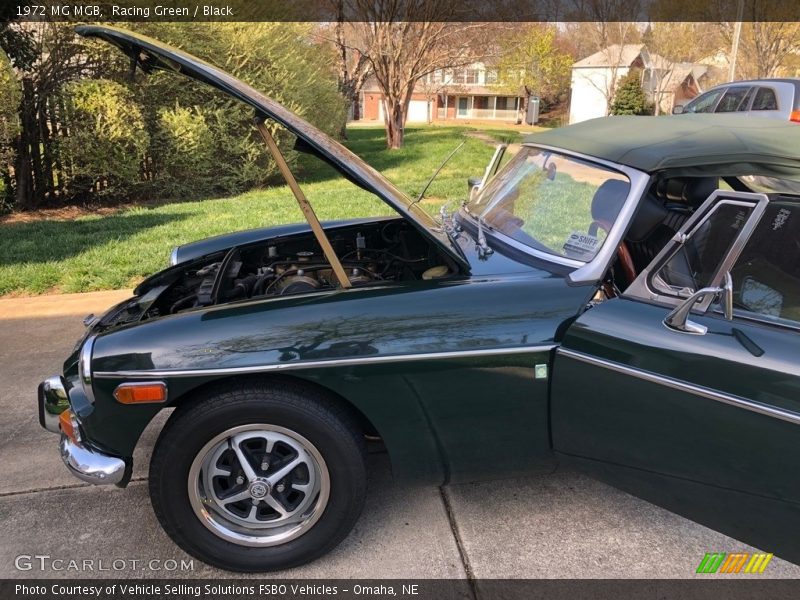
x,y
594,80
675,83
465,93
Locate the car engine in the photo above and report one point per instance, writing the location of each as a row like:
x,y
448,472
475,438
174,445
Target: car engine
x,y
385,251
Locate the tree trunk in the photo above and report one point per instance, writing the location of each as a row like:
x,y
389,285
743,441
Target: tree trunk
x,y
394,120
55,127
31,136
48,160
27,143
22,173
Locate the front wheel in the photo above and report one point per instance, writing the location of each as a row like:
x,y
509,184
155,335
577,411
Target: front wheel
x,y
259,477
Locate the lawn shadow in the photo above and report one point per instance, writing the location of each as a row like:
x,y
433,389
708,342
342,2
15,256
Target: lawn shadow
x,y
53,240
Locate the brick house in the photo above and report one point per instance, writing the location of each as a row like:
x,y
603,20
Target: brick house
x,y
465,93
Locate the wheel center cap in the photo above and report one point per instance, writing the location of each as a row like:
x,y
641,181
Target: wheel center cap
x,y
259,489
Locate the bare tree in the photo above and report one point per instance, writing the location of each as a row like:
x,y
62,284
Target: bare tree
x,y
432,84
404,40
770,34
671,46
353,67
765,46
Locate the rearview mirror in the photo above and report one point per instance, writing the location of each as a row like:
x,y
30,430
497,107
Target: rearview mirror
x,y
678,319
677,110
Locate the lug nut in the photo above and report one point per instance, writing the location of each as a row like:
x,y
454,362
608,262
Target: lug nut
x,y
279,488
264,465
239,480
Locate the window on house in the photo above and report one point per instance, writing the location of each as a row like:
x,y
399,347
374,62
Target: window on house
x,y
491,76
472,76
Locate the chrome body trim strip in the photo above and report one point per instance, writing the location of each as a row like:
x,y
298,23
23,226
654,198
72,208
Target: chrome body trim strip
x,y
697,390
173,256
85,367
315,364
89,465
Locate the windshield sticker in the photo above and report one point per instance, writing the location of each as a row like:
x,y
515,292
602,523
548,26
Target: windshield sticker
x,y
780,219
582,244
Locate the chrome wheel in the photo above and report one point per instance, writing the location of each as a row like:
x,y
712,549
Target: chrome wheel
x,y
258,485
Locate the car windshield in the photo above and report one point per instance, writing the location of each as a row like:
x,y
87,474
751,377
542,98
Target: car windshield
x,y
552,202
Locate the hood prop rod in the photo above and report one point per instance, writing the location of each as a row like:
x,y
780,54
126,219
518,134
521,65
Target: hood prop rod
x,y
305,205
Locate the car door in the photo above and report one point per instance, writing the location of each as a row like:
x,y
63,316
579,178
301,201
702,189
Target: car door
x,y
702,418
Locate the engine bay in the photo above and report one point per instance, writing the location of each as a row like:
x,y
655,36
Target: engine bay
x,y
388,250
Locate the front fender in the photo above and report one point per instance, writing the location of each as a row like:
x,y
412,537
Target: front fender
x,y
398,352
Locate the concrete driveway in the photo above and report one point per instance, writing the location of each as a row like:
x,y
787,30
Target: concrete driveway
x,y
558,526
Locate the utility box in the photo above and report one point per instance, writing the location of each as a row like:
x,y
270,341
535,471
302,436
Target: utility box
x,y
532,114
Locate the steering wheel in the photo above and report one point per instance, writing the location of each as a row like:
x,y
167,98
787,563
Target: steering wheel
x,y
623,253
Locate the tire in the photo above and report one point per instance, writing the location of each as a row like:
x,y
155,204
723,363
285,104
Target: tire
x,y
302,495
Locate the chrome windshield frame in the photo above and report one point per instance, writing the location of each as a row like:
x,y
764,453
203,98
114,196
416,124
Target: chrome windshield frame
x,y
586,272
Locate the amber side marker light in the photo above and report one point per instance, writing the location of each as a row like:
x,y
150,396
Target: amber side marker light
x,y
69,426
795,116
141,393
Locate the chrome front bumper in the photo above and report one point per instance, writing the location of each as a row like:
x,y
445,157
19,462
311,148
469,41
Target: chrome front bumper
x,y
90,465
53,400
82,461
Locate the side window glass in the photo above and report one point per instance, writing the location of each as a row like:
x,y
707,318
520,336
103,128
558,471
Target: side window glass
x,y
765,100
732,99
744,105
703,103
696,262
766,277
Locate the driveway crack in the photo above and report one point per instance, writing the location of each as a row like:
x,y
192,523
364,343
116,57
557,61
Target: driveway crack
x,y
462,552
66,486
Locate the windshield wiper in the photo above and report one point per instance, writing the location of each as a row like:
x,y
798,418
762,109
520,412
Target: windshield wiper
x,y
481,246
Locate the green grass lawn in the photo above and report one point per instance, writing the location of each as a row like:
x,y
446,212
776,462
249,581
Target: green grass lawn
x,y
115,251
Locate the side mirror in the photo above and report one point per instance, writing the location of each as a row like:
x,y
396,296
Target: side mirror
x,y
476,183
677,110
678,319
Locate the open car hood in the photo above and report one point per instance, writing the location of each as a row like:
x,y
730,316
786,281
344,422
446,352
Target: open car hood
x,y
151,54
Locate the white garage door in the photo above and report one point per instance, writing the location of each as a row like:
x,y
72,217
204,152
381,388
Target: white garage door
x,y
417,111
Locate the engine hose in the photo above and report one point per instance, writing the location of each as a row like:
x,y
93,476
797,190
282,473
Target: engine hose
x,y
180,303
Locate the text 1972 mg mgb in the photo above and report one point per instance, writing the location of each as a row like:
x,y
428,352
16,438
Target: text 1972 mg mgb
x,y
622,294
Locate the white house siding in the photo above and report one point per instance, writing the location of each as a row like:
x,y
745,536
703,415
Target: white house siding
x,y
589,85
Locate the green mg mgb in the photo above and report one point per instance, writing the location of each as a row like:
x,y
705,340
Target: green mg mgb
x,y
621,294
